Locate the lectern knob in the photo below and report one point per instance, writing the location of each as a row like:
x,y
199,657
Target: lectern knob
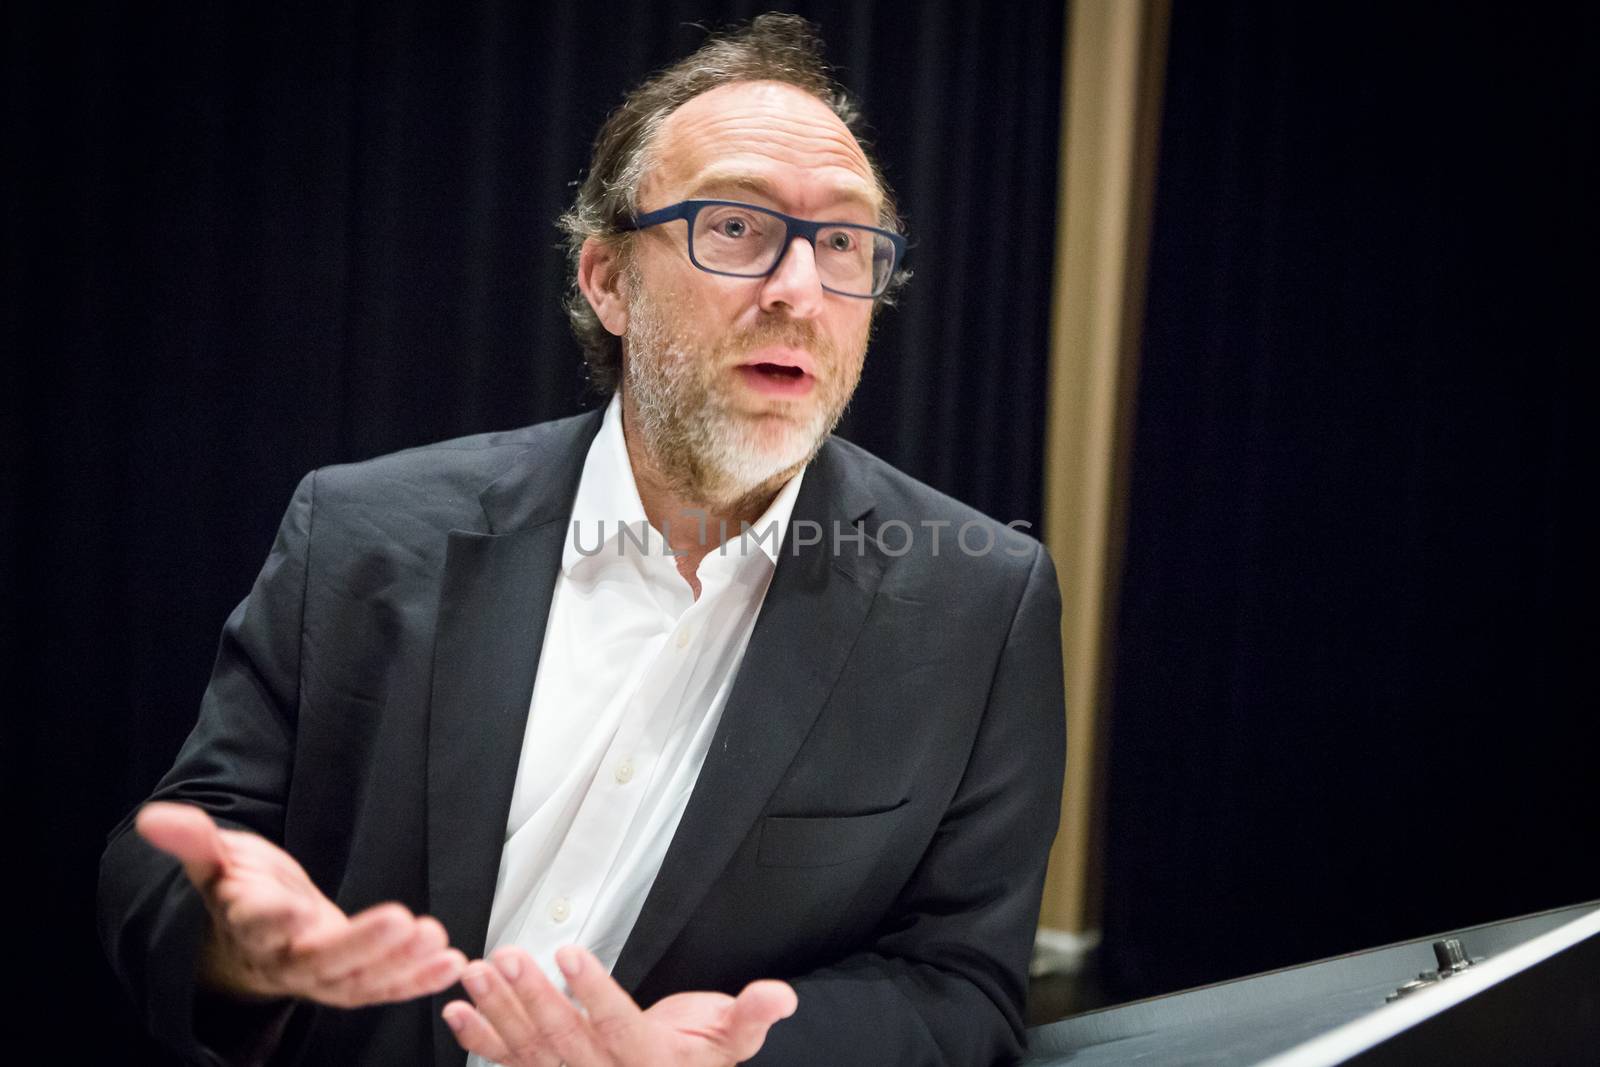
x,y
1450,956
1452,960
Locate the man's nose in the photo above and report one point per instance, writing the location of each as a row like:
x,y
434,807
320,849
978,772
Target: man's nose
x,y
795,286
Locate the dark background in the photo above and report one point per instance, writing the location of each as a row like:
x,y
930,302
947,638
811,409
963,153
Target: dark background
x,y
242,243
1354,696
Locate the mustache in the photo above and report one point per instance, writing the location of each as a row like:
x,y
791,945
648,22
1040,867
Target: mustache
x,y
790,333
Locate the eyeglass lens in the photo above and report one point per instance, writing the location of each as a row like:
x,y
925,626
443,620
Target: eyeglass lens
x,y
748,241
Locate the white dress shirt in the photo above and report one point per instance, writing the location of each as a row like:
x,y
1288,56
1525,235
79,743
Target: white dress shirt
x,y
632,680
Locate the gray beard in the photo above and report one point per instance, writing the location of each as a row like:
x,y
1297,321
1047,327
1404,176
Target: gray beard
x,y
708,453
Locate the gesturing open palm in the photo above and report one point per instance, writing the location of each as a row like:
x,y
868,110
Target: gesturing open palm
x,y
520,1019
274,934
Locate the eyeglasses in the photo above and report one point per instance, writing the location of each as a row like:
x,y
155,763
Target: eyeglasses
x,y
745,241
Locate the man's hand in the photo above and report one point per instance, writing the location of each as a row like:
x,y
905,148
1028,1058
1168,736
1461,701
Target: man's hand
x,y
273,933
521,1020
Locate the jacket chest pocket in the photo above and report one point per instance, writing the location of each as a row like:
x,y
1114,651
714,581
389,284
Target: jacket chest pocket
x,y
825,840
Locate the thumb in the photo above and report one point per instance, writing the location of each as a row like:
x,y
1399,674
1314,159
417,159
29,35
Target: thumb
x,y
186,832
752,1014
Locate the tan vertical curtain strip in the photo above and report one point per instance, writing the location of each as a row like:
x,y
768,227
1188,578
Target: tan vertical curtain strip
x,y
1115,55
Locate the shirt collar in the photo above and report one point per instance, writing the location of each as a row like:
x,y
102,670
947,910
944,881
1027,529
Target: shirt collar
x,y
608,494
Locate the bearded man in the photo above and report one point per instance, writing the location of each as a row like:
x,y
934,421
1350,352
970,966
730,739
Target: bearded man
x,y
682,704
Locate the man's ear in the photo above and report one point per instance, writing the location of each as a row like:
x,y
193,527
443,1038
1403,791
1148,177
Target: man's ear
x,y
600,280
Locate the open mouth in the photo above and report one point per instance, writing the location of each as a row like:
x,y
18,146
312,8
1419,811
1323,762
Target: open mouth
x,y
777,379
778,371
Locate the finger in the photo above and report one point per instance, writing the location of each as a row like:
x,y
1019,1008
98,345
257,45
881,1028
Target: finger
x,y
500,1006
378,978
612,1012
474,1033
433,975
427,938
365,939
576,1041
186,833
754,1010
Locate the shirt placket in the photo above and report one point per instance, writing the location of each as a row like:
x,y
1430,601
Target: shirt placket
x,y
579,874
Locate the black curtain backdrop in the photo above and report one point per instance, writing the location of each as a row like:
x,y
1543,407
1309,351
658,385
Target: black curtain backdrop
x,y
1353,694
244,241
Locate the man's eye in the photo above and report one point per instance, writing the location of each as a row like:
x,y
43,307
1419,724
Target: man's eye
x,y
733,227
841,241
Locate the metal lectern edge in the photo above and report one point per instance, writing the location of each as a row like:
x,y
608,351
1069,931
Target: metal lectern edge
x,y
1309,999
1338,1045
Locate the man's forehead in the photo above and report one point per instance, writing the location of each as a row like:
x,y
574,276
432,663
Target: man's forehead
x,y
762,137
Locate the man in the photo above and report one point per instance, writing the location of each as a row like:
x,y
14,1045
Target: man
x,y
684,705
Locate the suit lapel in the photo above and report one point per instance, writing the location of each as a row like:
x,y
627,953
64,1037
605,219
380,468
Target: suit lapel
x,y
494,599
808,624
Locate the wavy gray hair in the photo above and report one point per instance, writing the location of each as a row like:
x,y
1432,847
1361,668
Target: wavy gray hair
x,y
773,47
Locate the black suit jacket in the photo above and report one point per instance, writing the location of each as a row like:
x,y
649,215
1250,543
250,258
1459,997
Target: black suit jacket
x,y
871,823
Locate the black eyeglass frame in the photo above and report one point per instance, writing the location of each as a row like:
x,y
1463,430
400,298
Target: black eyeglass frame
x,y
689,210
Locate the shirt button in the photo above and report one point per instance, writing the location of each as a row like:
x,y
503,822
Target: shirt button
x,y
683,638
624,771
560,908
